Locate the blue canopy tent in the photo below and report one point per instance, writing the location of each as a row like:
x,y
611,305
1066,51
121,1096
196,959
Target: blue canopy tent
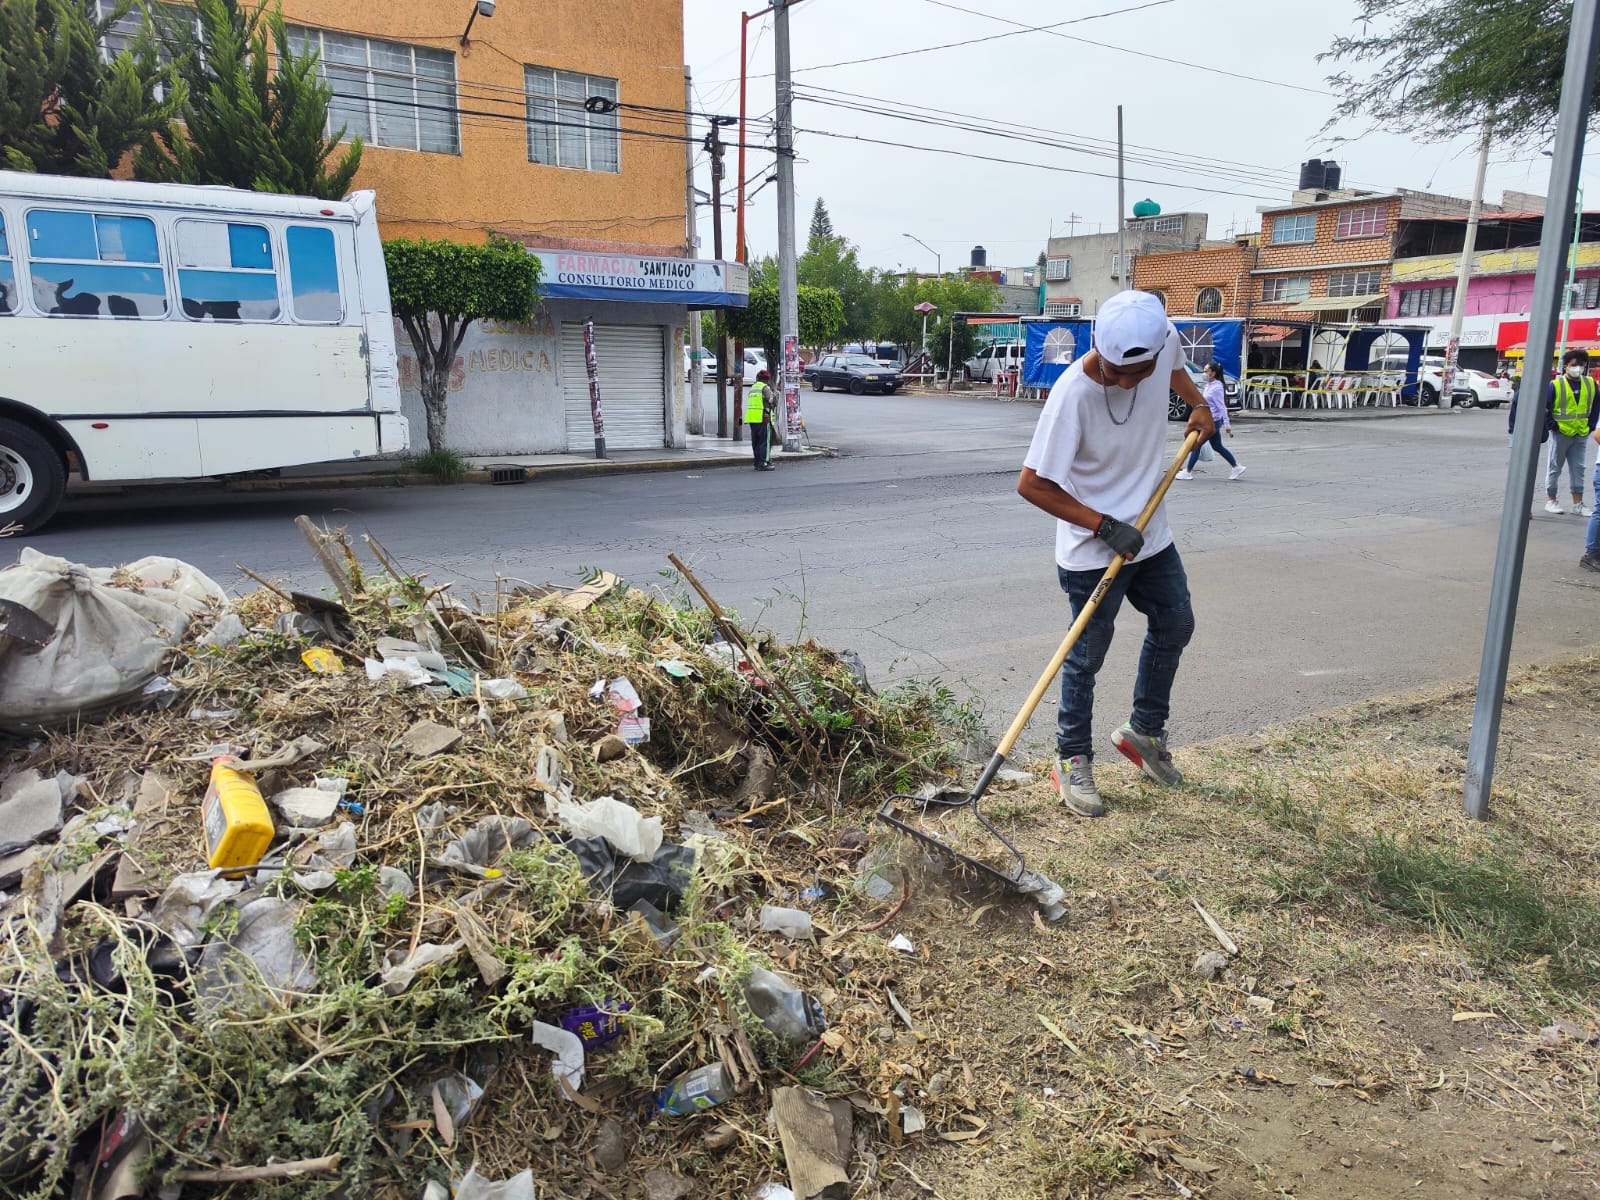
x,y
1219,339
1050,347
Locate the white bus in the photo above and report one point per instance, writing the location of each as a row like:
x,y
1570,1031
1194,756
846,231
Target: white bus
x,y
163,331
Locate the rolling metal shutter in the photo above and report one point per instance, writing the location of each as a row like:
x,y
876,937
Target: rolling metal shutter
x,y
633,386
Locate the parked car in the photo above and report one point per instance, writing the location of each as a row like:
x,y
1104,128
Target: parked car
x,y
754,360
1178,408
708,366
1429,381
1487,391
884,352
856,373
981,367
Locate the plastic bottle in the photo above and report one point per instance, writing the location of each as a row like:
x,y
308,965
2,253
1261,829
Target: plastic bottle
x,y
783,1008
238,828
694,1091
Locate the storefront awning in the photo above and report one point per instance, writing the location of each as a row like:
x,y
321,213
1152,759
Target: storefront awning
x,y
634,279
1338,303
1520,349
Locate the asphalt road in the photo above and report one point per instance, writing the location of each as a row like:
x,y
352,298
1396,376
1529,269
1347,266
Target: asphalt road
x,y
1352,560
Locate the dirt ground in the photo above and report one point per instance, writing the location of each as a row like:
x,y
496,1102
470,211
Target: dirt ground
x,y
1411,1010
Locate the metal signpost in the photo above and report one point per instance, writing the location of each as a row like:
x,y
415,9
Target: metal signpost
x,y
1577,89
593,367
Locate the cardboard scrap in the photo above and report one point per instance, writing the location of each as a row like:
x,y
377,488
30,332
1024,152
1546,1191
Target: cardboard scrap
x,y
427,738
816,1135
581,598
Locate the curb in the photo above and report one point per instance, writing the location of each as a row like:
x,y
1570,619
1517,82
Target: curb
x,y
401,479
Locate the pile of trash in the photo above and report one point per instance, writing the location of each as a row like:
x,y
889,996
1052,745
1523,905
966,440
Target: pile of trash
x,y
561,892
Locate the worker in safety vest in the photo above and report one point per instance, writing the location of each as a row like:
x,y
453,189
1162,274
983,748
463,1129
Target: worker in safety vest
x,y
758,418
1572,415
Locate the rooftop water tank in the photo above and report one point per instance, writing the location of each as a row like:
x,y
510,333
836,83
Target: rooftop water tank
x,y
1147,208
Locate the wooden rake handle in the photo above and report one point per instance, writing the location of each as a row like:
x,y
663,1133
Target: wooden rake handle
x,y
1086,614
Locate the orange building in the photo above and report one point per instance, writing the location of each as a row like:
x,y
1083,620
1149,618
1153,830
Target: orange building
x,y
1213,281
562,124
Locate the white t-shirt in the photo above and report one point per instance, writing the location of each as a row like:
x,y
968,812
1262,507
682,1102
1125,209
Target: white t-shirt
x,y
1109,467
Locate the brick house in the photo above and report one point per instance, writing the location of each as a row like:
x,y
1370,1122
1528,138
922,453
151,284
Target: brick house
x,y
1212,281
1328,254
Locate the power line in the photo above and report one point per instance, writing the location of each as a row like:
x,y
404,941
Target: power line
x,y
1125,50
993,37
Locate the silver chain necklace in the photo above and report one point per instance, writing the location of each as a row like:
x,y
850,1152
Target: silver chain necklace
x,y
1106,393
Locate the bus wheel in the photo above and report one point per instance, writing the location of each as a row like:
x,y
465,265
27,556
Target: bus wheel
x,y
32,478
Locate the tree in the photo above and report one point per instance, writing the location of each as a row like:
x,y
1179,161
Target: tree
x,y
257,110
821,312
1436,68
438,289
65,109
821,224
830,261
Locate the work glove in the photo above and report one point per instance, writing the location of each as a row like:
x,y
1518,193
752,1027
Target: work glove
x,y
1123,538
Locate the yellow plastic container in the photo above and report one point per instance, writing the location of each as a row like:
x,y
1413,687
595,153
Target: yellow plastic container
x,y
238,827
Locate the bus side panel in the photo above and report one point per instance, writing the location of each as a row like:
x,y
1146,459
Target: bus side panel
x,y
118,449
383,365
228,445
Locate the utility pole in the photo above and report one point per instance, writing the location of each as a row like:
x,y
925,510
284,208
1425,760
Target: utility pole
x,y
1122,244
713,145
697,412
1577,89
1452,350
788,284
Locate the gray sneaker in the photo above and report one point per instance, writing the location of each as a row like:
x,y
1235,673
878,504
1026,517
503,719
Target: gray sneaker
x,y
1073,780
1590,562
1147,753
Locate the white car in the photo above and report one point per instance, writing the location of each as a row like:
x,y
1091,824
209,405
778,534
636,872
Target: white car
x,y
754,360
708,366
1488,391
1430,379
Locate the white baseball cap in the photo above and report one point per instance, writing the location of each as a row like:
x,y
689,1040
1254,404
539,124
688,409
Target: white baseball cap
x,y
1130,329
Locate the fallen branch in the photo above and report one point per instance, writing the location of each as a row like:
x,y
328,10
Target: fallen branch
x,y
1228,944
335,569
285,1170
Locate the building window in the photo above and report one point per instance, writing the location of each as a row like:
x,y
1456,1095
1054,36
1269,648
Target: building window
x,y
1281,289
225,271
1119,262
1585,292
1058,268
1063,308
1159,225
1208,302
8,275
1354,283
1428,301
561,131
387,93
121,32
1362,222
96,257
1301,227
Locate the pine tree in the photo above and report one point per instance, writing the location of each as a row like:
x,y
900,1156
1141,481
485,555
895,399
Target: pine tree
x,y
821,226
257,110
65,109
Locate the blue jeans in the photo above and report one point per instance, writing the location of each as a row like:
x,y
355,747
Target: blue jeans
x,y
1592,543
1216,444
1159,589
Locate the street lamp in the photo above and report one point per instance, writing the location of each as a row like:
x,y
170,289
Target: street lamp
x,y
1572,268
926,307
937,261
483,8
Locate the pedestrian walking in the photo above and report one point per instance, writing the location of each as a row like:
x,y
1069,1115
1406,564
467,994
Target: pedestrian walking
x,y
1096,457
758,419
1216,395
1572,412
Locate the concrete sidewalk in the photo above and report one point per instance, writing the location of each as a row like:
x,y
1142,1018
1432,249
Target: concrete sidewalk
x,y
701,453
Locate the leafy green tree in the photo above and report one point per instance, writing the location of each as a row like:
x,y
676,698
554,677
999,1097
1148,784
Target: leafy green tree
x,y
830,261
821,313
1436,68
65,109
438,289
257,111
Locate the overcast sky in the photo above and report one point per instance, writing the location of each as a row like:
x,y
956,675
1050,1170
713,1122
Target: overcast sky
x,y
1197,139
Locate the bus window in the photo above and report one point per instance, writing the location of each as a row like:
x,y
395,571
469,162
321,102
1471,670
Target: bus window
x,y
85,265
8,275
314,274
225,272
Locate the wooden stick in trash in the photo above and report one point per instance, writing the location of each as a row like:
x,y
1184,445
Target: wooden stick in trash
x,y
334,568
1217,931
731,632
279,592
283,1170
